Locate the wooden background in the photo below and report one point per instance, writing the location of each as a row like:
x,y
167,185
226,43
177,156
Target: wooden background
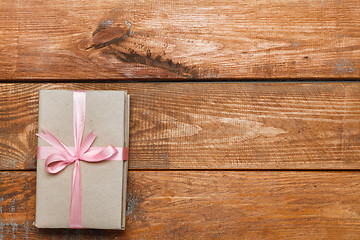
x,y
209,158
58,39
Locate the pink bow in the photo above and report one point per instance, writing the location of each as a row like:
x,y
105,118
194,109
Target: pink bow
x,y
58,156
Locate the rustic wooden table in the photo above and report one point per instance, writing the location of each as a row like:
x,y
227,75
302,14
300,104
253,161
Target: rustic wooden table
x,y
209,158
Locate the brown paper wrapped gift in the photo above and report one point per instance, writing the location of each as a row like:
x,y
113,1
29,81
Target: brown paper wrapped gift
x,y
103,183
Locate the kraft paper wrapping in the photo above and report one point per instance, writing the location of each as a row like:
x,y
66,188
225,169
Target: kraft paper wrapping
x,y
104,184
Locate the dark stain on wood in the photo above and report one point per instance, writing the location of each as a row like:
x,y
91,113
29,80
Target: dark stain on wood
x,y
107,36
134,200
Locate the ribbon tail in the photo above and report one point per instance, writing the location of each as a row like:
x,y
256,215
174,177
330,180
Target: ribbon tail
x,y
76,199
56,143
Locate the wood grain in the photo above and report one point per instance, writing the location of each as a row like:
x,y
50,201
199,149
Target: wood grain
x,y
211,126
208,205
177,39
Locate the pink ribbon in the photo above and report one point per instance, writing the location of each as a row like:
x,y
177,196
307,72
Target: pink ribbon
x,y
58,156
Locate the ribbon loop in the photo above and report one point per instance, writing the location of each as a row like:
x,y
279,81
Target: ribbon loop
x,y
88,141
56,163
97,156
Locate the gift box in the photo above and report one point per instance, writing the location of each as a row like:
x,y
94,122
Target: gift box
x,y
81,177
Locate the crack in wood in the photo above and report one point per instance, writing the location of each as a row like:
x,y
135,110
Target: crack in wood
x,y
167,64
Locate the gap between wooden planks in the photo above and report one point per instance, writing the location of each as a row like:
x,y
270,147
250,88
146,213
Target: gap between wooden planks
x,y
208,205
179,39
210,125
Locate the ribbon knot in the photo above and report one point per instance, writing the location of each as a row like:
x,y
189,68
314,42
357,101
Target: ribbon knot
x,y
58,156
64,156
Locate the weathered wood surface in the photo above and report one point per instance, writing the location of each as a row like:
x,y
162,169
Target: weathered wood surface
x,y
208,205
211,126
174,39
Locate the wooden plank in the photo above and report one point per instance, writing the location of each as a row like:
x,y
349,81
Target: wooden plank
x,y
211,126
209,205
175,39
